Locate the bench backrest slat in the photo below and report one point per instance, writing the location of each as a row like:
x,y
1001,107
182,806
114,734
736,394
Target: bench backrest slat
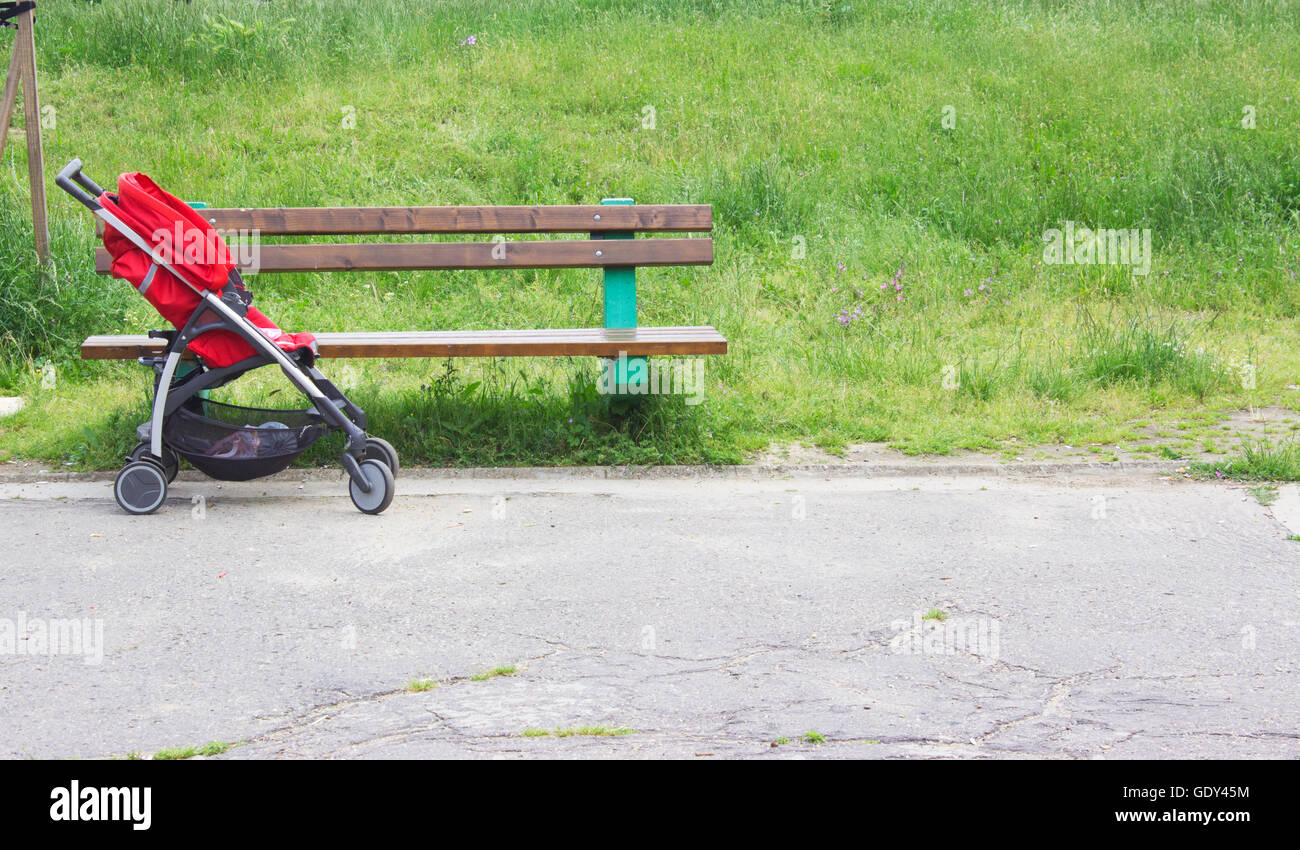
x,y
328,221
402,256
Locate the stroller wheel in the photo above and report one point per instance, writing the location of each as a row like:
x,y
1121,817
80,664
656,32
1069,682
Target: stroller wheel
x,y
377,449
171,463
380,478
141,487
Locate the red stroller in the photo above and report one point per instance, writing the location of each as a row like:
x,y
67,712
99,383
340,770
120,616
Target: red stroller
x,y
184,269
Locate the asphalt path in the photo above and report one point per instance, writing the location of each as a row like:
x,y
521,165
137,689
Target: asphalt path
x,y
743,615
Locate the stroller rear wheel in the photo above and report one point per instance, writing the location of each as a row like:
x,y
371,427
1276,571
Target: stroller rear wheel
x,y
380,479
141,487
171,463
379,449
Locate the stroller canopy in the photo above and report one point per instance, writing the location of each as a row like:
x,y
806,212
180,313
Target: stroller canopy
x,y
186,241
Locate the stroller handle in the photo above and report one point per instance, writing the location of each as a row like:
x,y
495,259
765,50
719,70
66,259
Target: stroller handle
x,y
76,184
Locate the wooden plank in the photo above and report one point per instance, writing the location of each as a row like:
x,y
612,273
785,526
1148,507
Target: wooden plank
x,y
325,221
597,342
405,256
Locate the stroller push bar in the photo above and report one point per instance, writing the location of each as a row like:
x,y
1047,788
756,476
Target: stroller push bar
x,y
215,323
76,184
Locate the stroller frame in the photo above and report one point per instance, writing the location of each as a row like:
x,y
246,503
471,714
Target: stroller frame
x,y
369,462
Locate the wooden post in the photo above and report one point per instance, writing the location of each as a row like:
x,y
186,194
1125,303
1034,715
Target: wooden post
x,y
22,68
10,96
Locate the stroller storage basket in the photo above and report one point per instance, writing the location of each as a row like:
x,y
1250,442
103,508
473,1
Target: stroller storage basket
x,y
233,443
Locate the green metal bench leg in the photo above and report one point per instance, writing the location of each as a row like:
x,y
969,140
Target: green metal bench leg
x,y
625,377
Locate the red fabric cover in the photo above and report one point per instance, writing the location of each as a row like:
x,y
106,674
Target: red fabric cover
x,y
189,243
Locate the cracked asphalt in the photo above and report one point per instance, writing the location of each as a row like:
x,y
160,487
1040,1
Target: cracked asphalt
x,y
1084,616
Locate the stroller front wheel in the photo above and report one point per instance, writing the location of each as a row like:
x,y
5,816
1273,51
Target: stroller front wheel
x,y
141,487
380,479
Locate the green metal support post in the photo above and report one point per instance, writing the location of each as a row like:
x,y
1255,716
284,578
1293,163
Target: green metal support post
x,y
625,377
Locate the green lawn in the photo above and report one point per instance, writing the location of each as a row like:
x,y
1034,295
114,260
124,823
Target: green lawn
x,y
882,176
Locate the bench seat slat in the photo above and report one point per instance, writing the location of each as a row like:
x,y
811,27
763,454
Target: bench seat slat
x,y
306,221
408,256
598,342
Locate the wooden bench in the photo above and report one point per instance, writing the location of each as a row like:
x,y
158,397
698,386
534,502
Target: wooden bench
x,y
610,246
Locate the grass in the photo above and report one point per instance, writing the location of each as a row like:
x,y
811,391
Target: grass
x,y
811,737
1142,352
934,614
419,686
1258,461
1265,494
214,748
1140,128
588,731
504,670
